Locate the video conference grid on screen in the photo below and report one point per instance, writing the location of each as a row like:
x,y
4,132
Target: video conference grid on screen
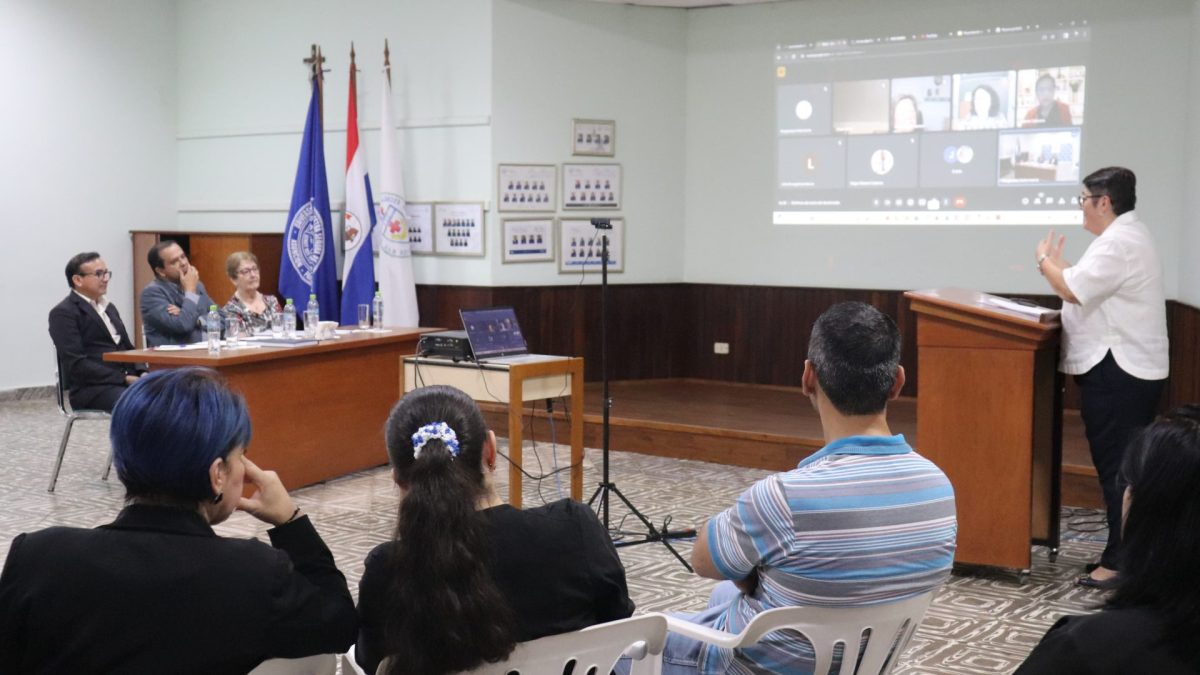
x,y
882,131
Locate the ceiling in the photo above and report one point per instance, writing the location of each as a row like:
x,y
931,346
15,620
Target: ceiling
x,y
686,4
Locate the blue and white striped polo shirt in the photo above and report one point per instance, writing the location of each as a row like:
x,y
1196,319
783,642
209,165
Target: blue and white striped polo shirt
x,y
864,520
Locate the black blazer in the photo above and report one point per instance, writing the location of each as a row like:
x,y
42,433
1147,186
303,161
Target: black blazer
x,y
1109,642
157,591
555,565
82,340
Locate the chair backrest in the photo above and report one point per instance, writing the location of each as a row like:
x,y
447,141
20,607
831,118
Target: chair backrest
x,y
60,385
320,664
593,650
890,627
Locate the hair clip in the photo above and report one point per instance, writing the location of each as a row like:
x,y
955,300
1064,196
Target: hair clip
x,y
439,430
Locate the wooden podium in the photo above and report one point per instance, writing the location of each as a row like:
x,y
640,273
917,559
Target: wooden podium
x,y
989,413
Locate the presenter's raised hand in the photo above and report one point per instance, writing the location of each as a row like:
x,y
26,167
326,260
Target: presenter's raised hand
x,y
1049,248
270,502
190,279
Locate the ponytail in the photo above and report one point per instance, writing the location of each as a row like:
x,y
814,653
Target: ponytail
x,y
447,615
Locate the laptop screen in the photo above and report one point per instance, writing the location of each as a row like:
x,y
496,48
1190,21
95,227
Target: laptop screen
x,y
493,332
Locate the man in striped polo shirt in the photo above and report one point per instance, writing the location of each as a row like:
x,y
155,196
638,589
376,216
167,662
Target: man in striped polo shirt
x,y
864,520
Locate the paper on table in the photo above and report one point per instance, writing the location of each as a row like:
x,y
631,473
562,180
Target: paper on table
x,y
1035,311
202,345
181,348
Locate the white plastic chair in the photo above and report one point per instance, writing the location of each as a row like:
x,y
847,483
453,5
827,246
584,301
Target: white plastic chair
x,y
64,406
321,664
891,626
640,637
349,665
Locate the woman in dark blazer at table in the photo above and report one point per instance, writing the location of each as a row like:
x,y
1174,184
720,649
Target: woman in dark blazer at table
x,y
157,590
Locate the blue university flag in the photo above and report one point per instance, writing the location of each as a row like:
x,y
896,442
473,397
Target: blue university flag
x,y
308,264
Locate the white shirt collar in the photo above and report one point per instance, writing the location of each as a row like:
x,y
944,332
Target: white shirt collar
x,y
1124,219
101,304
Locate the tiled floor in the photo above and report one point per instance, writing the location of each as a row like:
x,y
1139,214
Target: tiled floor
x,y
977,624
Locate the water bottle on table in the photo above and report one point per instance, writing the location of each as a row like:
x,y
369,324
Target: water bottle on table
x,y
377,309
289,320
212,326
312,316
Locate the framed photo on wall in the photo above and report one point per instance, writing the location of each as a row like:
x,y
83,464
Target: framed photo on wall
x,y
420,227
591,186
594,137
458,228
526,187
579,245
527,239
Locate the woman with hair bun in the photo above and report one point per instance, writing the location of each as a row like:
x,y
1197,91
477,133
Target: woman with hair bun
x,y
469,576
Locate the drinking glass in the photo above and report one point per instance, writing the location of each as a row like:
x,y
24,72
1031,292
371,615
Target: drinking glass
x,y
277,325
233,331
364,317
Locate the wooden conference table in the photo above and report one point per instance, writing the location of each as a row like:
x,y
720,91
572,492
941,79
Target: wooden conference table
x,y
318,410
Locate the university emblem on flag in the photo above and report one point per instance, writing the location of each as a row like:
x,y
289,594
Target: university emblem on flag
x,y
394,226
306,242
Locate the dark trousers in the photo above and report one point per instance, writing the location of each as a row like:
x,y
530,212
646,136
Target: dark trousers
x,y
97,397
1115,406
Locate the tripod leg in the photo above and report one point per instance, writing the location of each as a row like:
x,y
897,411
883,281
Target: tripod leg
x,y
602,511
655,535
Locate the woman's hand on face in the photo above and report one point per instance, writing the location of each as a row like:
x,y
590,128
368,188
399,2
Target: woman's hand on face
x,y
270,502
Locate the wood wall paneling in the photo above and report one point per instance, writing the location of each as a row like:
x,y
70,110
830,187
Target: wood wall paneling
x,y
208,253
662,330
668,330
1183,325
646,323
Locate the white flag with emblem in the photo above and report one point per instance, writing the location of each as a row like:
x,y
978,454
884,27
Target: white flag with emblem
x,y
395,256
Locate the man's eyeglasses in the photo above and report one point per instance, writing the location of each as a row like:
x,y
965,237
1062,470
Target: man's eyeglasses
x,y
103,275
247,271
1083,198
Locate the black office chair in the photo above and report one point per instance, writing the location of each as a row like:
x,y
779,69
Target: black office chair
x,y
64,406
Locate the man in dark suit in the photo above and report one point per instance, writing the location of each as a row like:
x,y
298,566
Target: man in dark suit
x,y
175,304
85,326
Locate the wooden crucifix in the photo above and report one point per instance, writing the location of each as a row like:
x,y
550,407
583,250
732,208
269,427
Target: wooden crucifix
x,y
316,65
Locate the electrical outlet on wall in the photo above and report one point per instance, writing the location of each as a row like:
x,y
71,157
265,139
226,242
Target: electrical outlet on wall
x,y
720,347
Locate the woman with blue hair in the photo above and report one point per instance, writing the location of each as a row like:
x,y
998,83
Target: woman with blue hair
x,y
157,590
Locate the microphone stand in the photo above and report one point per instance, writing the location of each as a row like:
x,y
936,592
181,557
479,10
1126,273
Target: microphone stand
x,y
607,486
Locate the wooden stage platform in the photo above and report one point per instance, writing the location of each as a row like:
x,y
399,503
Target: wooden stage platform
x,y
757,426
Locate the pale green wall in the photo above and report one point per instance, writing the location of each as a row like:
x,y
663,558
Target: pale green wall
x,y
87,152
1137,103
555,60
